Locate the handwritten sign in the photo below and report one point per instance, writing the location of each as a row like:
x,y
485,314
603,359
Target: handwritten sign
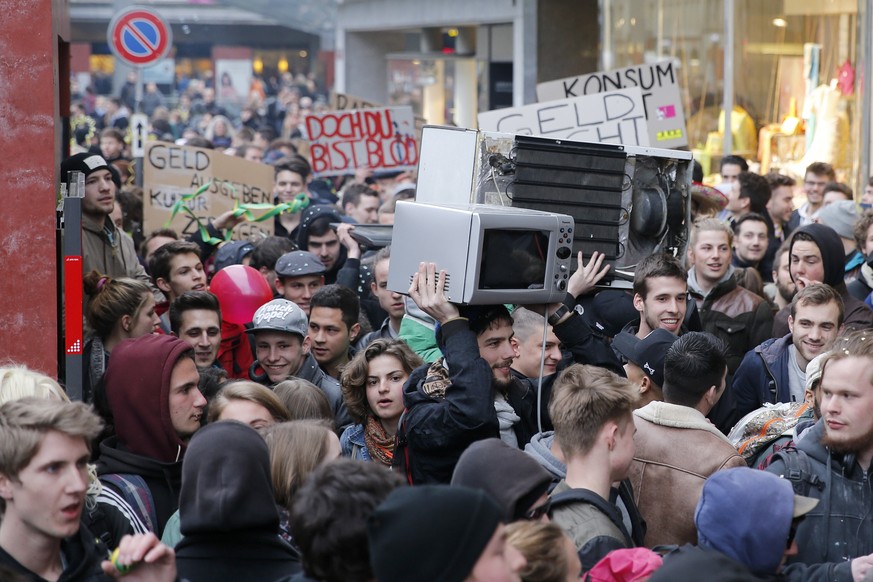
x,y
344,102
379,138
171,171
662,99
616,117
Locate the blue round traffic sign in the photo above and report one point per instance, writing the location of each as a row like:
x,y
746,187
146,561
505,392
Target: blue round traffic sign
x,y
139,36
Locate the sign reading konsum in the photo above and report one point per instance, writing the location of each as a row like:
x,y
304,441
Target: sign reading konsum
x,y
662,99
616,117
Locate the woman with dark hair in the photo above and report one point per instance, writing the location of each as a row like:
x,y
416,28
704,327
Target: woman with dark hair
x,y
372,385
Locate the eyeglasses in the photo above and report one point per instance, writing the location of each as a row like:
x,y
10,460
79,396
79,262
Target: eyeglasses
x,y
795,523
539,511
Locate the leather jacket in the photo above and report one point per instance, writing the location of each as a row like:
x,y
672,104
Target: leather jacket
x,y
676,450
737,316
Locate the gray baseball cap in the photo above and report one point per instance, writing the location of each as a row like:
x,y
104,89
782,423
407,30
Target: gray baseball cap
x,y
299,263
280,315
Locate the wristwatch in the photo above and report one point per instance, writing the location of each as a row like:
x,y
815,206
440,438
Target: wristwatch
x,y
554,318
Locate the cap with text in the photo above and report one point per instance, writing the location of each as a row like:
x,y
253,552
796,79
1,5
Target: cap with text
x,y
280,315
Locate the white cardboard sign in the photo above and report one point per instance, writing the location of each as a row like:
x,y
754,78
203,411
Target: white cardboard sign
x,y
616,117
662,99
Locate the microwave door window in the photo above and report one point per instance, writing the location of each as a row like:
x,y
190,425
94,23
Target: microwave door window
x,y
513,259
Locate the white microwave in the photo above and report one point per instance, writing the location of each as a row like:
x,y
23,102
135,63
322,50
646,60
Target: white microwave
x,y
491,254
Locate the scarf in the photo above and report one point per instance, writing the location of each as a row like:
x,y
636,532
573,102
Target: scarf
x,y
507,417
379,444
437,380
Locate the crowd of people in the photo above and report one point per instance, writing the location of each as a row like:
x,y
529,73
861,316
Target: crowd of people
x,y
713,422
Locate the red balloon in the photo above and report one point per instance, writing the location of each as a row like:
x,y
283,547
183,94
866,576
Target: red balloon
x,y
240,291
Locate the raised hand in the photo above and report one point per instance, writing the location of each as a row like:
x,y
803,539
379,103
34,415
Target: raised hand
x,y
428,292
587,276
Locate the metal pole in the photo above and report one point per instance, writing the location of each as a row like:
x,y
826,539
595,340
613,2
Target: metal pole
x,y
137,106
660,46
728,104
864,34
607,55
138,171
72,284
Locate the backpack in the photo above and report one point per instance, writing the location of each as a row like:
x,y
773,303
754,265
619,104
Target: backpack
x,y
574,496
137,494
798,470
761,427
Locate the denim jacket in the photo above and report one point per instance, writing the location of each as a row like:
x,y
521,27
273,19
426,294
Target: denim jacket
x,y
352,443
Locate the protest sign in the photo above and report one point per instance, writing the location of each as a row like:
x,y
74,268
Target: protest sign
x,y
345,102
171,171
379,138
616,117
662,99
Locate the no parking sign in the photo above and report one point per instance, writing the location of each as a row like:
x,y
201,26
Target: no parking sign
x,y
139,36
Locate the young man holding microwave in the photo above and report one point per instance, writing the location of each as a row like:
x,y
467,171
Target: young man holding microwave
x,y
470,394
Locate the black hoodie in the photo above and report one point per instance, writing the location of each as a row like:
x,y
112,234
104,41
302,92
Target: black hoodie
x,y
833,257
227,509
309,215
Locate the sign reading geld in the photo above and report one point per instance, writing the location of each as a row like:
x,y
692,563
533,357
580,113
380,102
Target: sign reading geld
x,y
343,141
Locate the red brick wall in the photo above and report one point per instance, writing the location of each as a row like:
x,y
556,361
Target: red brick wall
x,y
30,132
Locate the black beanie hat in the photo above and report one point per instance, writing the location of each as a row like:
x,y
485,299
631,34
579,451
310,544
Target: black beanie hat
x,y
430,532
512,478
85,163
831,248
116,176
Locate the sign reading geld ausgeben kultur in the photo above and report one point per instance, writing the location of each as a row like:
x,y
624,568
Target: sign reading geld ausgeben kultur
x,y
171,171
616,117
342,141
662,99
